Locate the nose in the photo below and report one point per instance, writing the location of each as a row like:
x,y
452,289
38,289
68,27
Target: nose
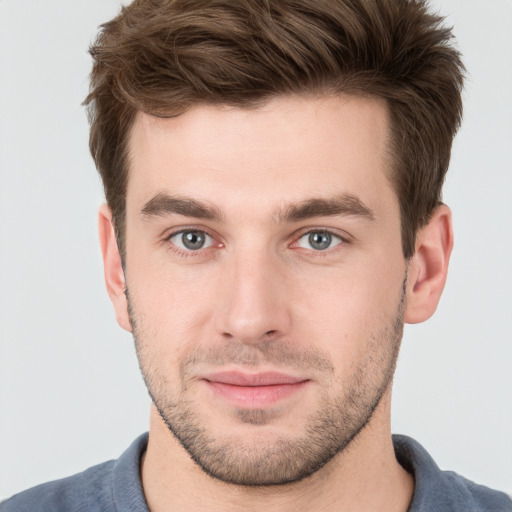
x,y
253,305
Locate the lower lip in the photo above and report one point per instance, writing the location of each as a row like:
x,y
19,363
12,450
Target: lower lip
x,y
255,397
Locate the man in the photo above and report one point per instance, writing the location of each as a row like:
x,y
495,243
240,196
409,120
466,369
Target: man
x,y
273,174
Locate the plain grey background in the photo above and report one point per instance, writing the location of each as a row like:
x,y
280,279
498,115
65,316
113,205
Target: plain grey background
x,y
71,395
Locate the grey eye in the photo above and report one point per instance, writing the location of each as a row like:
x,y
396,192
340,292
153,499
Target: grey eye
x,y
319,240
192,240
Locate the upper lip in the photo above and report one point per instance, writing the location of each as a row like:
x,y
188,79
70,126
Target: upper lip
x,y
236,378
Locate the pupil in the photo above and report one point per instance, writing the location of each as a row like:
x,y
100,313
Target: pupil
x,y
320,241
193,240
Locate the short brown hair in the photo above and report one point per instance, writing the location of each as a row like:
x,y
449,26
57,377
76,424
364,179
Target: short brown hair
x,y
162,57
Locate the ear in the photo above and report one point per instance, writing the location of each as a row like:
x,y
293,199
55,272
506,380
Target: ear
x,y
113,269
429,266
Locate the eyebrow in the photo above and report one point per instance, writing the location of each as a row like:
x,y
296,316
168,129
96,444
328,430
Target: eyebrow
x,y
163,204
344,204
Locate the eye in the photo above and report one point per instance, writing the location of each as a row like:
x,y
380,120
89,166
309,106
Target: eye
x,y
191,240
319,240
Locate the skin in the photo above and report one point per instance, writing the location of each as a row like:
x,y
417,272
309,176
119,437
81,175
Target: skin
x,y
258,297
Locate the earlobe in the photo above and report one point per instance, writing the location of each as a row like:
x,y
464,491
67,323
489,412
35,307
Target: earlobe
x,y
429,266
113,269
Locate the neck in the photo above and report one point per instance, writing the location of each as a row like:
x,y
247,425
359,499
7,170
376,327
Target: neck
x,y
365,476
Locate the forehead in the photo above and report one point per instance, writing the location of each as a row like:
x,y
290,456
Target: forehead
x,y
289,149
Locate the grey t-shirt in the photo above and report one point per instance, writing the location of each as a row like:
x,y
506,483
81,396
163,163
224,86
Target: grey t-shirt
x,y
115,486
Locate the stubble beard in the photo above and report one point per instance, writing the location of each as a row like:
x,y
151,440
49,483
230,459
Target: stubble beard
x,y
257,462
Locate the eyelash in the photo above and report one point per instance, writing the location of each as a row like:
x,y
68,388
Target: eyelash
x,y
322,231
343,240
190,253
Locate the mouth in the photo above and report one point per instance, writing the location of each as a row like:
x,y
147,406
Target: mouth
x,y
254,390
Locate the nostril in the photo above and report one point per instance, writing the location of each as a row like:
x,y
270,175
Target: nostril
x,y
270,333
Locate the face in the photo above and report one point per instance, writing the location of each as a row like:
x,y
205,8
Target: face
x,y
265,279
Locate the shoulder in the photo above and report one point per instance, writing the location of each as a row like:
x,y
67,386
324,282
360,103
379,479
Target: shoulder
x,y
481,497
112,486
89,490
444,490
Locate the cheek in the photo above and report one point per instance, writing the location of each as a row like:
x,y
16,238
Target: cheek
x,y
173,307
343,310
